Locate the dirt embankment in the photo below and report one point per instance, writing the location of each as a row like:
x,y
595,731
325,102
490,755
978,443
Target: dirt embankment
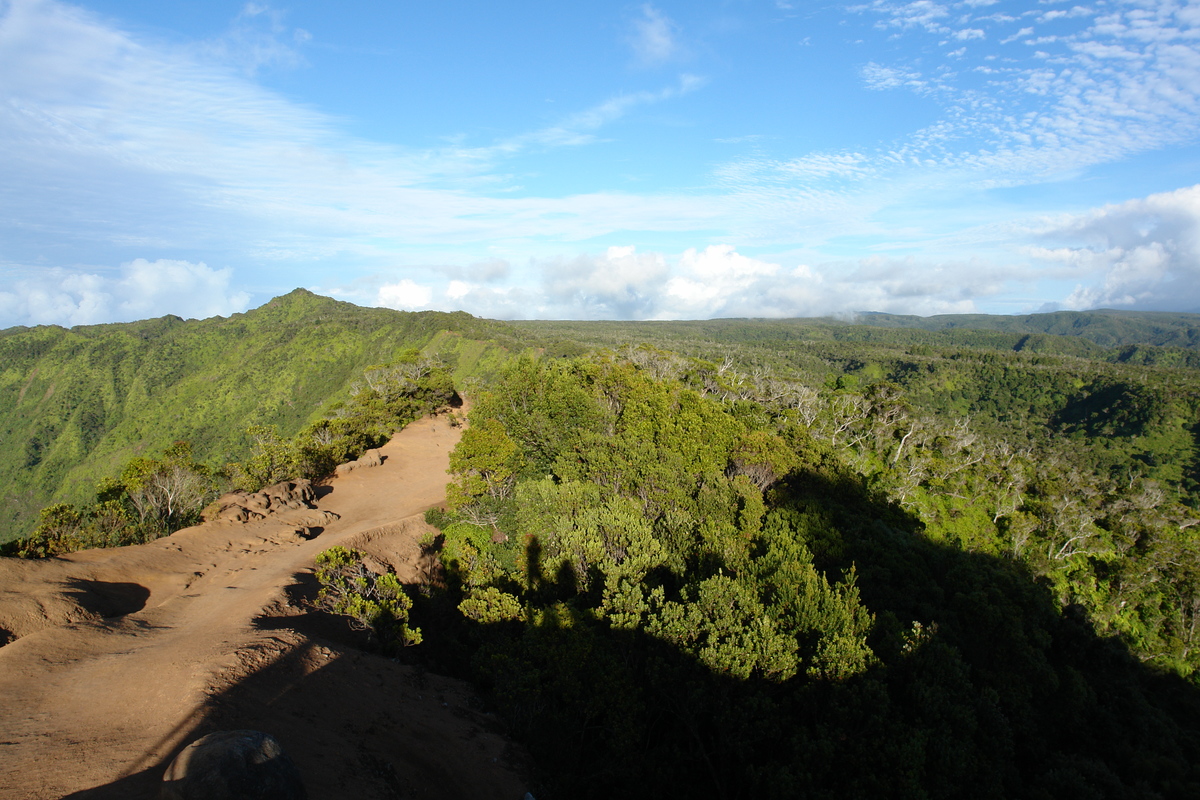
x,y
119,658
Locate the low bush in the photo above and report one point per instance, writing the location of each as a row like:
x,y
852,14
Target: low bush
x,y
373,602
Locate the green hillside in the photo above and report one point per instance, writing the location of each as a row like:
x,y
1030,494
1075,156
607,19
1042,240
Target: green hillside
x,y
1119,336
1105,327
76,405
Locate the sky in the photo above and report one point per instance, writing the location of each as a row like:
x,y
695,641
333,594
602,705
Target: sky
x,y
556,160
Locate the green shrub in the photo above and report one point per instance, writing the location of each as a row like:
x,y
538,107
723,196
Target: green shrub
x,y
373,602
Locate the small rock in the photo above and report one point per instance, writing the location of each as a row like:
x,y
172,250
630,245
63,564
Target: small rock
x,y
233,764
371,458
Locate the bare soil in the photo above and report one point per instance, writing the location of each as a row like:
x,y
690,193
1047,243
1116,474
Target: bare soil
x,y
117,659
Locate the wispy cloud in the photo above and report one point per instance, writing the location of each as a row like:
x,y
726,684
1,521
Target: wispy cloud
x,y
259,37
187,152
654,38
579,128
1110,86
168,156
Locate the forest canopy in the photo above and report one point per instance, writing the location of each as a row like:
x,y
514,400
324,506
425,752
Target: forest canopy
x,y
673,576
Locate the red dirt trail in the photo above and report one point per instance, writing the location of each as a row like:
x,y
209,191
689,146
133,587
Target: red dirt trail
x,y
124,656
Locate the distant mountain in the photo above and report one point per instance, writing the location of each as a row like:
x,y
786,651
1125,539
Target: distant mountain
x,y
1105,327
1166,339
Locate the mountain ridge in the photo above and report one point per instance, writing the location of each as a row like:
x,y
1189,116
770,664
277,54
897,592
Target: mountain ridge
x,y
77,403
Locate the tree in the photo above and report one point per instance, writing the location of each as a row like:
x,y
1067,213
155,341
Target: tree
x,y
273,459
762,457
723,623
484,465
59,530
587,533
324,444
168,493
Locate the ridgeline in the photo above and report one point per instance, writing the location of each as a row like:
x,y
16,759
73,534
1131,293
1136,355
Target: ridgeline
x,y
76,405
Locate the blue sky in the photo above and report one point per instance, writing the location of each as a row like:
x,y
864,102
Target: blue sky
x,y
598,160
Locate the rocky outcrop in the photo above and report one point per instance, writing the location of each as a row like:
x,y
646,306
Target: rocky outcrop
x,y
371,458
233,764
247,506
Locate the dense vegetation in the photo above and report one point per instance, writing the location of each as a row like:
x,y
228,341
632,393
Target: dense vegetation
x,y
1106,327
739,558
676,581
1125,337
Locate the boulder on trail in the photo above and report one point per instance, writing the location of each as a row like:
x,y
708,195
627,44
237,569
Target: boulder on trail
x,y
250,506
233,764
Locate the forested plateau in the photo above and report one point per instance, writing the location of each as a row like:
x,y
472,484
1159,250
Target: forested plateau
x,y
889,556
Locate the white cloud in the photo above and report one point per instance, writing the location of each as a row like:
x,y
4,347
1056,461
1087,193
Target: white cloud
x,y
718,281
1141,254
456,290
879,77
721,264
142,289
621,284
405,295
713,281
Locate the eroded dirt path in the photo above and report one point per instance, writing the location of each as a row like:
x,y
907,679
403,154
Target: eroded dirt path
x,y
124,656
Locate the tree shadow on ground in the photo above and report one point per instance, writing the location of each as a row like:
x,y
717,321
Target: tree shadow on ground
x,y
108,598
993,693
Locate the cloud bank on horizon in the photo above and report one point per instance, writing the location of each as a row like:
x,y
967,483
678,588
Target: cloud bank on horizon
x,y
655,161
